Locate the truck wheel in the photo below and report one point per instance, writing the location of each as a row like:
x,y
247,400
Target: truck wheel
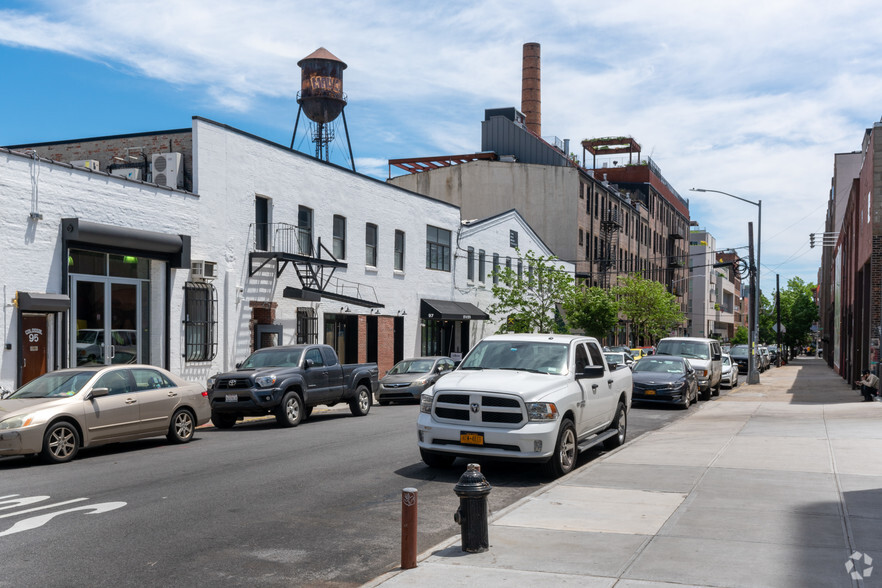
x,y
290,411
620,424
437,460
361,404
565,452
716,389
224,421
706,394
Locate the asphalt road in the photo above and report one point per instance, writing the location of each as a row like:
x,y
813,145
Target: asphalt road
x,y
256,505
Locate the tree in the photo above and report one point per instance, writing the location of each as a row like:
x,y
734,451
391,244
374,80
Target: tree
x,y
528,303
650,308
591,309
798,312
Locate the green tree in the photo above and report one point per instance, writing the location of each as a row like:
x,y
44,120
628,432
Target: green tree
x,y
767,320
798,312
528,303
593,310
651,309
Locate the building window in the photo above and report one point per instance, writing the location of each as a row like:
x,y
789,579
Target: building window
x,y
304,230
482,266
471,264
261,224
512,239
339,236
370,245
508,263
437,248
200,321
520,269
495,268
581,237
399,251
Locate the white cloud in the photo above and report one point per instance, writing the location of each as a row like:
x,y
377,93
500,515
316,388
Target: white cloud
x,y
753,99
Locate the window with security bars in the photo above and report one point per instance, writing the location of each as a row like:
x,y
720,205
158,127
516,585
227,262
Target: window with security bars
x,y
200,321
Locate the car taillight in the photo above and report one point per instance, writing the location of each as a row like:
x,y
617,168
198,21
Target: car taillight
x,y
205,394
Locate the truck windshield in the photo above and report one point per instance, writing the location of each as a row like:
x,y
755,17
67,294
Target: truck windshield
x,y
693,349
530,356
273,358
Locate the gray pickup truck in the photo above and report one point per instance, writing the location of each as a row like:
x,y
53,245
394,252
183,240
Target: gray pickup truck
x,y
288,381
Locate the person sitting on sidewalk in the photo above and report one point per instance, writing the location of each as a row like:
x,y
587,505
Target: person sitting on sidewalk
x,y
869,385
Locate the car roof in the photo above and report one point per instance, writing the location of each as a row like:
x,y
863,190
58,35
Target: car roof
x,y
552,337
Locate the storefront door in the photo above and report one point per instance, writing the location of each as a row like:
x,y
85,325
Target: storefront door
x,y
34,349
106,321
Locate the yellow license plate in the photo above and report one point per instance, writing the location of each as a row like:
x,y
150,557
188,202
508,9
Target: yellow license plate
x,y
471,438
649,392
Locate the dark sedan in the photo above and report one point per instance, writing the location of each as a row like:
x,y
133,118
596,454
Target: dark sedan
x,y
662,378
739,355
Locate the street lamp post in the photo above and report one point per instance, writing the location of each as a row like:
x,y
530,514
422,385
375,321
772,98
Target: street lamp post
x,y
759,232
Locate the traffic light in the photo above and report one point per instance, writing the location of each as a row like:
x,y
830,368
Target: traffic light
x,y
812,240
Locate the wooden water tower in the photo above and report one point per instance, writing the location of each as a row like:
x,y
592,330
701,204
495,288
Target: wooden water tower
x,y
321,99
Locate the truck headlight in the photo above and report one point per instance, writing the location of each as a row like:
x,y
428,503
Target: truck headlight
x,y
210,383
426,403
541,411
265,381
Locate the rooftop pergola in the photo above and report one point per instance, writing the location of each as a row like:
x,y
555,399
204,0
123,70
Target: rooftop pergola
x,y
416,165
610,146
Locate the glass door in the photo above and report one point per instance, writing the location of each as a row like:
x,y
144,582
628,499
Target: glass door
x,y
106,321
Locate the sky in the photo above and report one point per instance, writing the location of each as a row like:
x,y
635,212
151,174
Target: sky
x,y
749,98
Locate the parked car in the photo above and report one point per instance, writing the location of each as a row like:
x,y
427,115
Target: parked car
x,y
618,358
730,372
527,398
764,361
622,348
740,356
704,356
665,378
638,352
60,412
287,382
409,377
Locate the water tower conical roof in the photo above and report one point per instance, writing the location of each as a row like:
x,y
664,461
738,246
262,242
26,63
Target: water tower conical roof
x,y
321,53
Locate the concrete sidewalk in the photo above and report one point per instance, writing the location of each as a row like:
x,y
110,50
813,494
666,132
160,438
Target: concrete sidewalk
x,y
777,484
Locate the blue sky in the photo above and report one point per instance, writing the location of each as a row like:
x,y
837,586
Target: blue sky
x,y
747,98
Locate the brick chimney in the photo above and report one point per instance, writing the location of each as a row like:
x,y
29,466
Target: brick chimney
x,y
531,103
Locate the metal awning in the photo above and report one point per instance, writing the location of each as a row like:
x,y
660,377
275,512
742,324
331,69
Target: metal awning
x,y
41,302
450,310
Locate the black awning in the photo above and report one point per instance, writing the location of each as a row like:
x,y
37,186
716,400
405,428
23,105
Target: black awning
x,y
40,302
450,310
175,247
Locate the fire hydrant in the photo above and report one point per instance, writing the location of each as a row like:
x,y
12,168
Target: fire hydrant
x,y
471,515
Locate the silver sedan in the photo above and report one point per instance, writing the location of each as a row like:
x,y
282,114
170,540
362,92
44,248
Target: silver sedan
x,y
60,412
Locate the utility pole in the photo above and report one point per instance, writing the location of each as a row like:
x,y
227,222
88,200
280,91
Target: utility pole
x,y
753,331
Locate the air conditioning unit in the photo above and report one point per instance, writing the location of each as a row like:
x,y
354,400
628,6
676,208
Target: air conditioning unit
x,y
203,270
86,163
130,173
168,169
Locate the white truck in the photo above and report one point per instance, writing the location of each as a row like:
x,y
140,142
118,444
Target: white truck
x,y
530,398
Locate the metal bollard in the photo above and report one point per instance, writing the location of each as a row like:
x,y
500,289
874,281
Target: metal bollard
x,y
471,515
408,528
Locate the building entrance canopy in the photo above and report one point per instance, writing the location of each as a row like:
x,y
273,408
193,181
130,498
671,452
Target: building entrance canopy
x,y
450,310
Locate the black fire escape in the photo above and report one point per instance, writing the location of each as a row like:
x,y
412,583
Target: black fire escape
x,y
285,244
610,227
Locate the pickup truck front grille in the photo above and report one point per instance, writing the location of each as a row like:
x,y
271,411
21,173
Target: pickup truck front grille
x,y
233,384
479,408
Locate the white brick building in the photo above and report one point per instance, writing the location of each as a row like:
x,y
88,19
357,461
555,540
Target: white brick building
x,y
301,250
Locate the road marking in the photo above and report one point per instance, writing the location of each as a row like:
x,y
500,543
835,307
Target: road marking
x,y
30,523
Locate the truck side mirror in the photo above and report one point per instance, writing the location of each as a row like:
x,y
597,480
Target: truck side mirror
x,y
592,371
309,363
